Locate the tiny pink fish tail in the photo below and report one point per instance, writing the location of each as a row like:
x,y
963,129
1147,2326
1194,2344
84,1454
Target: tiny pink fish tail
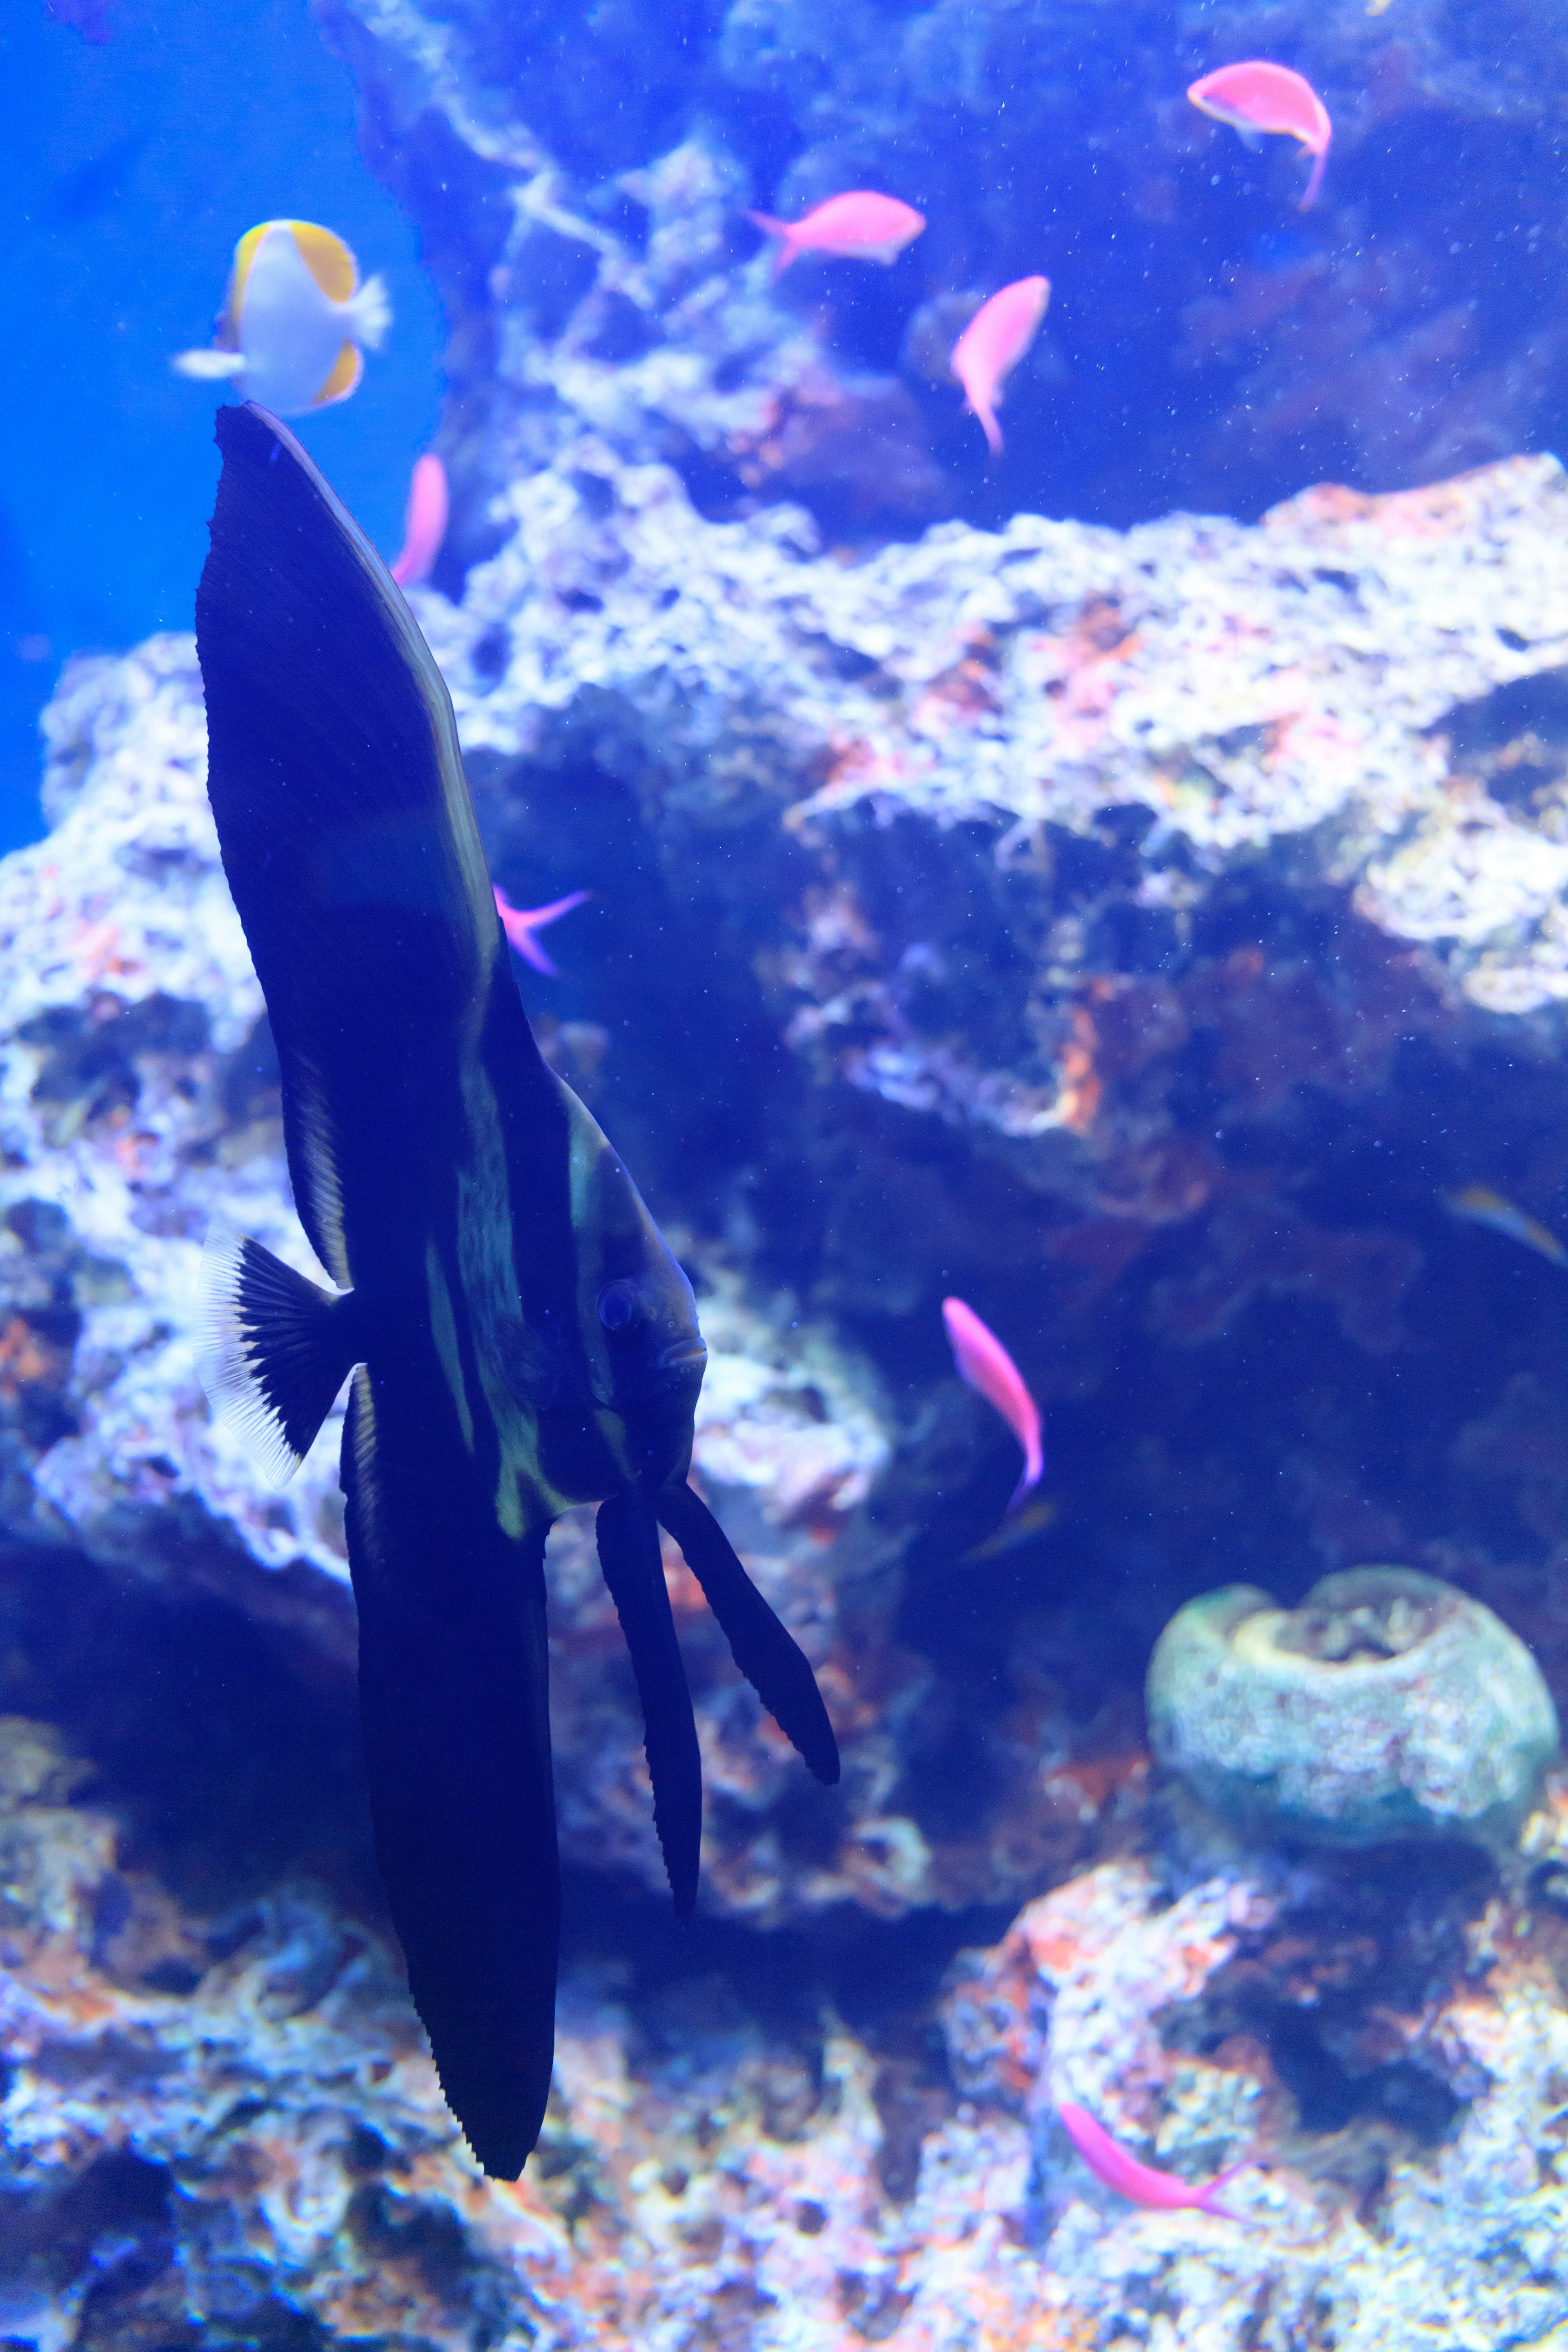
x,y
402,569
1030,1479
532,952
1316,182
991,429
1208,2200
786,249
559,906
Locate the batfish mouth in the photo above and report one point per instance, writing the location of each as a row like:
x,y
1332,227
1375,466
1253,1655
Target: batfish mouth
x,y
684,1357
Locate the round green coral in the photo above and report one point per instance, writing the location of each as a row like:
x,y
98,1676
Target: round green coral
x,y
1387,1706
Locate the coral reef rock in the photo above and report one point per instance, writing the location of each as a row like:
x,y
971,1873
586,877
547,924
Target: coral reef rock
x,y
1387,1705
581,190
1383,2059
139,1098
220,2127
1044,929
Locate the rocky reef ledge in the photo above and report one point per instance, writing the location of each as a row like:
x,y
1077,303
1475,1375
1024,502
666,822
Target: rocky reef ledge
x,y
1147,935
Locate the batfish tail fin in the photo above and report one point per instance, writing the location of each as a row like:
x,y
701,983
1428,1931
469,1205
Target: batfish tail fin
x,y
634,1571
766,1653
274,1349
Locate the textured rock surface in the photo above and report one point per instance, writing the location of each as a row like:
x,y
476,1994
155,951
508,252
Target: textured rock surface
x,y
1389,2051
1140,936
1057,955
139,1098
220,2128
580,178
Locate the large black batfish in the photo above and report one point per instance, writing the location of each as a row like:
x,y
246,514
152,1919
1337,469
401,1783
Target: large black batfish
x,y
521,1338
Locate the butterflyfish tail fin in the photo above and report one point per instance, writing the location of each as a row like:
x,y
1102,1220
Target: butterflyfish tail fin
x,y
209,366
634,1571
370,314
765,1651
273,1349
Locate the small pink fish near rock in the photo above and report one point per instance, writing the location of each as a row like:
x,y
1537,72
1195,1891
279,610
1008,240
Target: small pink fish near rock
x,y
1258,97
520,923
425,523
1482,1206
860,225
992,345
984,1364
1143,2183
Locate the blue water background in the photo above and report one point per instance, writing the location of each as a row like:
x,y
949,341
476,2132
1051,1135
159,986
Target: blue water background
x,y
129,171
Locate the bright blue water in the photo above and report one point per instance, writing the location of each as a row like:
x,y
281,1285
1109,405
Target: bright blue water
x,y
128,170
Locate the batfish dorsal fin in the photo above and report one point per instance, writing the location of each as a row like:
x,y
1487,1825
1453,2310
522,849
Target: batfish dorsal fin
x,y
348,835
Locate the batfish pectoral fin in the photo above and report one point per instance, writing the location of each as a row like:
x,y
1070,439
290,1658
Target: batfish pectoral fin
x,y
634,1571
454,1708
273,1351
766,1653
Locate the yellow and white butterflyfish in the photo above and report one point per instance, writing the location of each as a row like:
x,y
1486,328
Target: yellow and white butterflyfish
x,y
296,321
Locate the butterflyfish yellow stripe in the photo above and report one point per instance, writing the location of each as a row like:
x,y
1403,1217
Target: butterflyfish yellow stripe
x,y
347,369
244,255
326,258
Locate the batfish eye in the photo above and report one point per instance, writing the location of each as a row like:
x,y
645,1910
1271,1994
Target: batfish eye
x,y
617,1306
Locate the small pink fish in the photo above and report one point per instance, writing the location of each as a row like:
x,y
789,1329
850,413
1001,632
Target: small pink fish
x,y
858,226
1261,96
984,1362
425,523
520,924
992,345
1144,2183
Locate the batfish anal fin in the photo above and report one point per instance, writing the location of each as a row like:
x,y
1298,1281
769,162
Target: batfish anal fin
x,y
274,1349
634,1571
766,1653
454,1712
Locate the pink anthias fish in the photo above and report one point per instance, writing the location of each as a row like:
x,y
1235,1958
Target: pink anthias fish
x,y
1257,96
520,924
992,345
984,1362
1144,2183
425,523
860,225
